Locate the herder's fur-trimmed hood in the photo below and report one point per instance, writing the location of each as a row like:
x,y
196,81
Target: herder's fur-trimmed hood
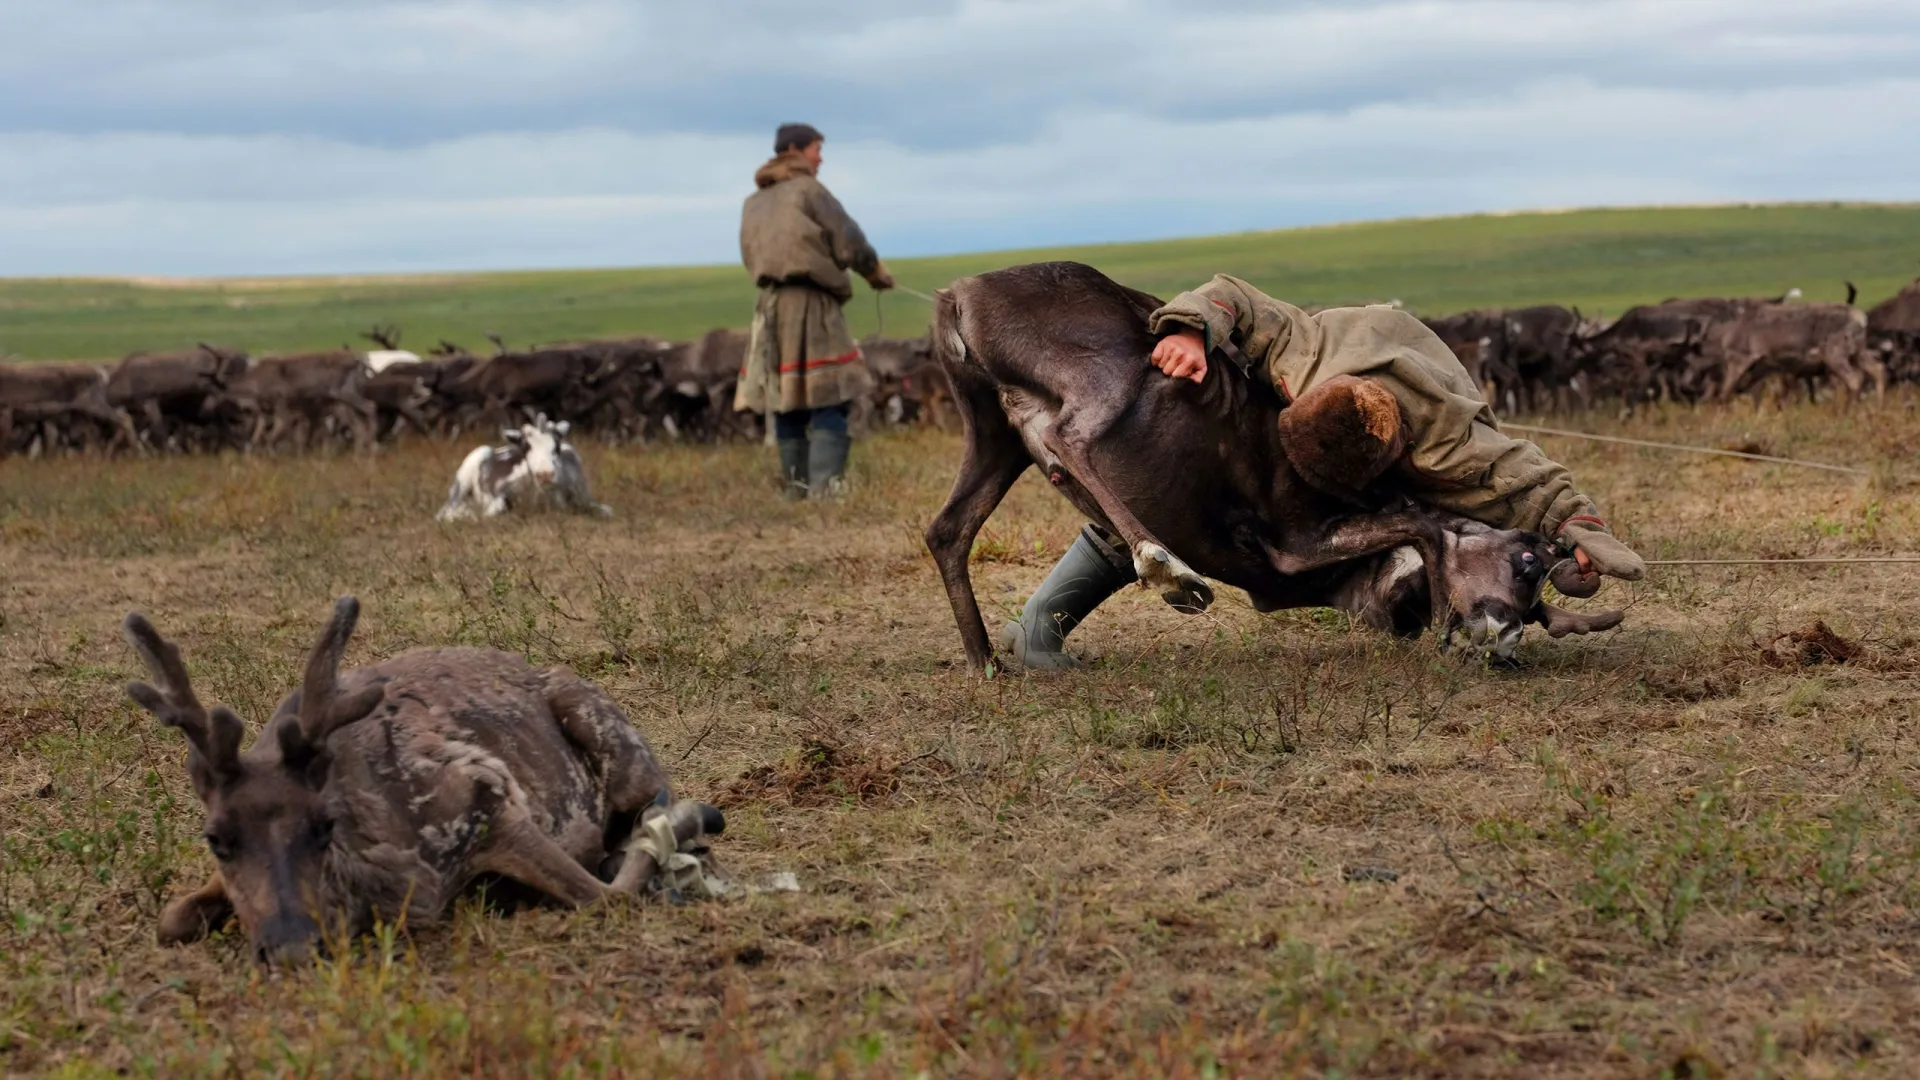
x,y
781,167
794,232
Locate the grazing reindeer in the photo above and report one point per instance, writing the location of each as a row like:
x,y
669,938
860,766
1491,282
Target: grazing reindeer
x,y
1048,364
538,466
384,791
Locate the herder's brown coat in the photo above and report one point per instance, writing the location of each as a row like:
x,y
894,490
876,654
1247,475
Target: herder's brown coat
x,y
799,243
1459,459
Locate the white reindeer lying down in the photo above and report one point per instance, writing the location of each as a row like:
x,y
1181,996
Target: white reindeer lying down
x,y
538,468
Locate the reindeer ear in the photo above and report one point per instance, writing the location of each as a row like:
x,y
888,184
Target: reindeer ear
x,y
511,434
1560,622
561,427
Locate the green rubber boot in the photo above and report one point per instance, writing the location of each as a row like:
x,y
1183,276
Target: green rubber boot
x,y
827,463
793,468
1093,569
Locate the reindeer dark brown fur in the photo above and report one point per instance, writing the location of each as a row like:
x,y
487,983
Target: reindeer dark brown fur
x,y
1049,366
385,790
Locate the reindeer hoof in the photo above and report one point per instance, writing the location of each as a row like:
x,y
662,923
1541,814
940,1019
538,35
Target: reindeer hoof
x,y
1191,600
1186,591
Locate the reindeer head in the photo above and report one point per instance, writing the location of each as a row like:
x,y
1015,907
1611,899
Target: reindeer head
x,y
545,444
270,816
1494,578
1490,581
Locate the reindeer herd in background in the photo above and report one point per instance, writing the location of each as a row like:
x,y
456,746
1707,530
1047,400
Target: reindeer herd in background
x,y
1537,359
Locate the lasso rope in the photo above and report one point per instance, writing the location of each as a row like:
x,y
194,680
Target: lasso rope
x,y
1786,562
879,314
1689,449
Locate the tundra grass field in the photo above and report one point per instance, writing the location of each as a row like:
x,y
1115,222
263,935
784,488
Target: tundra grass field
x,y
1601,260
1236,845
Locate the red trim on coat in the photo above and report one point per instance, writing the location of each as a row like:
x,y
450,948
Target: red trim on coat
x,y
1228,308
830,361
1584,517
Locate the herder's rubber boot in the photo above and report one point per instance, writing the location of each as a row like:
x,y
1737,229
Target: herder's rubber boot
x,y
827,463
1092,570
793,468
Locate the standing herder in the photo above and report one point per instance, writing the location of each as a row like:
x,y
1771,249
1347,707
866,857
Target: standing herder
x,y
802,365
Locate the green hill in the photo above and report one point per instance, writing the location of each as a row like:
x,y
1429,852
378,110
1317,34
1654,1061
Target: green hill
x,y
1599,260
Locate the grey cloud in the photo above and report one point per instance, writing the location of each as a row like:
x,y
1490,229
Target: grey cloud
x,y
928,76
276,136
607,197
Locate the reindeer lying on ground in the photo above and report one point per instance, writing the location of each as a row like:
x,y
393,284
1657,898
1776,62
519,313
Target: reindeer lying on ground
x,y
385,790
1049,366
538,467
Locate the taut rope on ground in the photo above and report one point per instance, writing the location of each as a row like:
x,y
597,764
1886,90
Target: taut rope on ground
x,y
1690,449
1785,562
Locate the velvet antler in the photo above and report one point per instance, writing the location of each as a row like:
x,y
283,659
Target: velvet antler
x,y
213,736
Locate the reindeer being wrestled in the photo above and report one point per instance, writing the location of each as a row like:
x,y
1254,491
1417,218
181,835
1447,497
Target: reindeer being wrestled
x,y
1184,481
386,790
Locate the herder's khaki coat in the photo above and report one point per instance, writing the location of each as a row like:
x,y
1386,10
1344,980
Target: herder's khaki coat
x,y
799,244
1455,450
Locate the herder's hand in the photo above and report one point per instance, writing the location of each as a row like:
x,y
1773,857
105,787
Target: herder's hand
x,y
1182,355
882,278
1597,550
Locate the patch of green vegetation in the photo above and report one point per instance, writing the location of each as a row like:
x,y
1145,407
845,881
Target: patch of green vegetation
x,y
1600,260
1652,864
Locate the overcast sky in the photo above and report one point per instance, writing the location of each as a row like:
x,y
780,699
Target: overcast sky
x,y
280,136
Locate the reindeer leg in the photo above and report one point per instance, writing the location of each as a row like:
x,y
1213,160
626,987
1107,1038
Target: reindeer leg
x,y
197,914
995,458
632,778
591,721
412,416
363,418
1370,534
519,850
1070,438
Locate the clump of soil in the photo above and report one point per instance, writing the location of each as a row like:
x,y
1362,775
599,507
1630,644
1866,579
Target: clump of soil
x,y
1690,686
821,773
1808,647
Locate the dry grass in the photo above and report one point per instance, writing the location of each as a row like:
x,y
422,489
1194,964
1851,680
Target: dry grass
x,y
1687,848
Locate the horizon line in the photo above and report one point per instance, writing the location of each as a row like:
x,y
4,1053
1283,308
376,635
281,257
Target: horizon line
x,y
170,281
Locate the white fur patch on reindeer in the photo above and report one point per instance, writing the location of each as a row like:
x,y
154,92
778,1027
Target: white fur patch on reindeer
x,y
1402,564
1178,584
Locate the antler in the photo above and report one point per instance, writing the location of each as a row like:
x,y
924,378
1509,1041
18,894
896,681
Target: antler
x,y
1560,622
322,709
386,336
213,737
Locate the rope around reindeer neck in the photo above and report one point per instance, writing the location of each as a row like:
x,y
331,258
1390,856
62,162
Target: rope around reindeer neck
x,y
879,314
912,292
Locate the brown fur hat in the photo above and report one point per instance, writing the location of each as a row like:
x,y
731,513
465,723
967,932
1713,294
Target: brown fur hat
x,y
1341,435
